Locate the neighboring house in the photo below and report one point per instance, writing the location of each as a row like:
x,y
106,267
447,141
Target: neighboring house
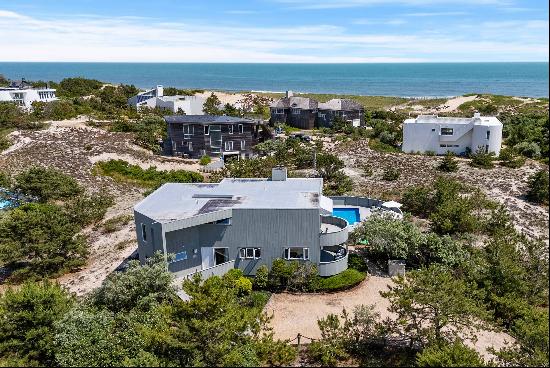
x,y
347,110
223,136
154,98
299,112
245,223
307,113
458,135
22,94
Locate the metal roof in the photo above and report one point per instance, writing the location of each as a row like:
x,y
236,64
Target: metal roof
x,y
176,201
207,119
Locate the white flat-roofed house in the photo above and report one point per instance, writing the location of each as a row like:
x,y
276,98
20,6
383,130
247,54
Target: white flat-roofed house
x,y
441,134
22,94
154,98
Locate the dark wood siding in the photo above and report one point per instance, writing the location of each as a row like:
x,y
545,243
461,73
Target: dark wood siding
x,y
200,143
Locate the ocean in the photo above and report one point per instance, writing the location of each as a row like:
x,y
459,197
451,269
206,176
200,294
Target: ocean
x,y
395,79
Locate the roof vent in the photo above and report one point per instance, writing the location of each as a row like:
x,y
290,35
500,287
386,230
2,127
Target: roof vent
x,y
477,115
289,94
278,174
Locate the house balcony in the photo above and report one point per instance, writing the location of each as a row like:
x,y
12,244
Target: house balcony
x,y
334,231
333,261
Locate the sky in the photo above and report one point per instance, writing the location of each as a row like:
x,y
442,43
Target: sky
x,y
276,31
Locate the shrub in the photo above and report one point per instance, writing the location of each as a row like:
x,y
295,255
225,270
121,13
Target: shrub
x,y
418,201
429,153
40,240
205,160
344,280
5,180
454,354
448,164
46,184
123,171
85,210
391,174
27,317
481,159
292,275
528,149
243,286
326,353
538,187
114,224
261,280
509,158
357,262
78,87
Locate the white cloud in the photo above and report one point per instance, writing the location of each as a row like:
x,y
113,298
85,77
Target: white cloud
x,y
389,22
96,38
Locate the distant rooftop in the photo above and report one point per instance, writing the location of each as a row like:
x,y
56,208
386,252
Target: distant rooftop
x,y
304,103
476,119
340,104
206,119
177,201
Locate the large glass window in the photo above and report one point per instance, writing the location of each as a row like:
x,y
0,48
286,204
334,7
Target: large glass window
x,y
229,145
180,256
297,253
446,131
206,129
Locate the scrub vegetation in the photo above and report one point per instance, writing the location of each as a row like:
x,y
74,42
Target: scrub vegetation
x,y
41,238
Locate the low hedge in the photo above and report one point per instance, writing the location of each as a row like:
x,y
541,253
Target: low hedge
x,y
344,280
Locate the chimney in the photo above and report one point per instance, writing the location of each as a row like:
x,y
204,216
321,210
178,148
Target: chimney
x,y
160,91
278,174
477,115
289,94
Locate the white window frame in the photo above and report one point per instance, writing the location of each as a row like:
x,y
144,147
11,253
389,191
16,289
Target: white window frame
x,y
143,232
228,144
279,111
250,253
190,131
295,111
241,128
243,144
447,130
190,146
231,128
305,254
207,130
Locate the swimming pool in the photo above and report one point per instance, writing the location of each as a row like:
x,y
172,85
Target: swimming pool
x,y
351,215
4,203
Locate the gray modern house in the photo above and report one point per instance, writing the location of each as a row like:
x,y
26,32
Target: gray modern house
x,y
244,223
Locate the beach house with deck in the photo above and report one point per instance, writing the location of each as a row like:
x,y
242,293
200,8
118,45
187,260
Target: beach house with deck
x,y
210,228
430,133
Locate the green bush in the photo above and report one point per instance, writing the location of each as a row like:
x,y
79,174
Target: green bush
x,y
344,280
326,353
115,223
448,164
243,286
509,158
292,275
27,317
78,87
538,187
40,240
454,354
85,210
528,149
47,184
357,262
482,160
261,280
391,174
123,171
205,160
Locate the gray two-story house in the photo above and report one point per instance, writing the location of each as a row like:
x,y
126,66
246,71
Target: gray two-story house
x,y
307,113
210,228
242,223
221,136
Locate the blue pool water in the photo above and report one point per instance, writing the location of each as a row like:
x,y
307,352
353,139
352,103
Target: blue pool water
x,y
351,215
4,203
